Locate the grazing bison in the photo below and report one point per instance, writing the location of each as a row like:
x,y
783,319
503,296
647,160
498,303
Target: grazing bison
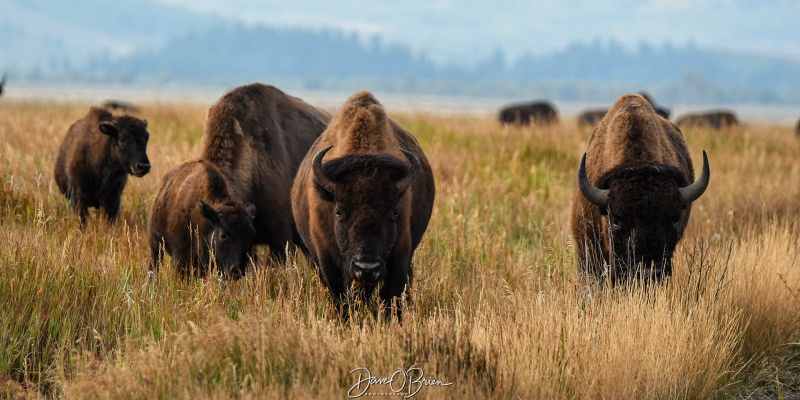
x,y
362,212
256,136
662,111
98,153
197,221
590,118
716,119
540,112
634,194
120,106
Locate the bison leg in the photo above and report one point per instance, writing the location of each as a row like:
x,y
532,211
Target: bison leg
x,y
393,293
79,208
112,210
156,254
333,279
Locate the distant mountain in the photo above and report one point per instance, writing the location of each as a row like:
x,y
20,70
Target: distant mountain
x,y
262,52
53,35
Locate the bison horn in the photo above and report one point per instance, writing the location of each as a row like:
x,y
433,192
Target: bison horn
x,y
695,190
407,180
319,174
597,196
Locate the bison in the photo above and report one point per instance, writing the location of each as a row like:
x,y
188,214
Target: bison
x,y
590,118
96,156
2,84
541,112
256,136
197,221
634,194
715,119
362,200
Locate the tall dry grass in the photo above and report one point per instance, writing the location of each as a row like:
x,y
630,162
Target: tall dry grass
x,y
498,308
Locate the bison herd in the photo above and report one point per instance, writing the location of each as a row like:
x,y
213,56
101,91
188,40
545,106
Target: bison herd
x,y
354,191
543,112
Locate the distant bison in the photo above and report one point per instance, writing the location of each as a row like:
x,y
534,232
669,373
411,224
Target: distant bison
x,y
591,117
541,112
2,84
633,215
716,119
95,158
120,106
198,222
256,136
362,212
797,127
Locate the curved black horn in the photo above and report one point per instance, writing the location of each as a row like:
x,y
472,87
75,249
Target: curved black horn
x,y
319,175
695,190
597,196
406,182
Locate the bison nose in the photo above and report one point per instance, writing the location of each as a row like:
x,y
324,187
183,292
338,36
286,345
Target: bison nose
x,y
144,167
367,270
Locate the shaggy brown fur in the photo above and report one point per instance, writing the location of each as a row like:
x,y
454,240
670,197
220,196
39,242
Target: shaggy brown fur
x,y
716,119
257,136
364,232
95,158
591,117
195,219
643,159
538,112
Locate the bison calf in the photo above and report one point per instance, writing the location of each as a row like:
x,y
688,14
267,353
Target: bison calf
x,y
95,158
195,219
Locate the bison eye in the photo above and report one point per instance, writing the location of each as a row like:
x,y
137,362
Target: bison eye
x,y
338,213
223,237
395,213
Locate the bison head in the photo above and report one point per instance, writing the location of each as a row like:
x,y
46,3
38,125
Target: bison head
x,y
366,192
231,235
129,137
646,207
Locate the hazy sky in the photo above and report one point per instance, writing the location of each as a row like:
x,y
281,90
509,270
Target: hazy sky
x,y
463,29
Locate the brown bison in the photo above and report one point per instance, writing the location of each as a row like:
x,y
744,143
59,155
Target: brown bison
x,y
121,106
362,212
634,194
590,118
98,153
716,119
256,136
539,112
197,221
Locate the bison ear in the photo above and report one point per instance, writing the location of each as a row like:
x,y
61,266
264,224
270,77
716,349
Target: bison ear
x,y
209,212
251,210
108,129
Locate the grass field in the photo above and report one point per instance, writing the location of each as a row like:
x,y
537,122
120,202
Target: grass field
x,y
498,309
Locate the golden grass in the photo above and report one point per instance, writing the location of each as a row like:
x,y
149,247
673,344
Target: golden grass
x,y
498,308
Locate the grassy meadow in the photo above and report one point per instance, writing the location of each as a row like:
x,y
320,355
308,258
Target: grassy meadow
x,y
498,308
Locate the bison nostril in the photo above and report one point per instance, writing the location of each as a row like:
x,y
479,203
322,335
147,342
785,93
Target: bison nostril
x,y
143,166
